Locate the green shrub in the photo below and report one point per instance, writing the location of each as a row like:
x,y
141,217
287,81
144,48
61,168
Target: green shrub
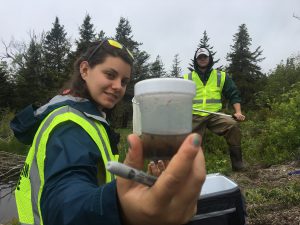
x,y
7,140
123,144
6,116
285,195
275,139
14,221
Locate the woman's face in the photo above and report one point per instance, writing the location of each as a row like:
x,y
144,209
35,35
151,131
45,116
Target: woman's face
x,y
107,81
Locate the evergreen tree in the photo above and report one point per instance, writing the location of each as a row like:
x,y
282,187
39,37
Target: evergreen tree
x,y
6,87
176,70
243,65
122,113
124,35
141,65
157,68
56,48
204,44
87,35
102,35
29,81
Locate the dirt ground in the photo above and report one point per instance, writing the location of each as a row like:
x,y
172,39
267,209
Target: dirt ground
x,y
268,178
276,176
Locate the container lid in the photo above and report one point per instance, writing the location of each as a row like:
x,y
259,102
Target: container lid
x,y
165,85
216,184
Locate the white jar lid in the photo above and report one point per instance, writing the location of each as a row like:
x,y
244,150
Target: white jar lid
x,y
165,85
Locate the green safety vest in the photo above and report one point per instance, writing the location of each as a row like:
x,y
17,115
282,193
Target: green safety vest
x,y
208,97
30,187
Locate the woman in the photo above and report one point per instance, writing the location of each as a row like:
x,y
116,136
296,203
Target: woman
x,y
64,180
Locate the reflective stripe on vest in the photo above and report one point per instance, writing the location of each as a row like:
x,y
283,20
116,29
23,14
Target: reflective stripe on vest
x,y
31,183
208,97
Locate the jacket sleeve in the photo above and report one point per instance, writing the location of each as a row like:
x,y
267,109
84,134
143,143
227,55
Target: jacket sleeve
x,y
230,91
71,194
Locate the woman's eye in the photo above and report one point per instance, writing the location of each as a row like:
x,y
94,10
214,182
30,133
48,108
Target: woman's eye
x,y
110,75
124,82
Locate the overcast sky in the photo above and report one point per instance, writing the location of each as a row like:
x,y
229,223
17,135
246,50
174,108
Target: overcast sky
x,y
167,27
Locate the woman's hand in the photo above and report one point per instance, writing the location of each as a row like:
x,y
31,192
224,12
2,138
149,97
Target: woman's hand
x,y
173,198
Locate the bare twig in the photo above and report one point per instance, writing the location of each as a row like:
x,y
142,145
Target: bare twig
x,y
297,17
14,51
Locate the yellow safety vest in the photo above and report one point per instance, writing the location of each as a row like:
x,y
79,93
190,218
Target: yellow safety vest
x,y
208,97
30,187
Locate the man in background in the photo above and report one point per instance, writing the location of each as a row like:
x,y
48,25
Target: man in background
x,y
211,84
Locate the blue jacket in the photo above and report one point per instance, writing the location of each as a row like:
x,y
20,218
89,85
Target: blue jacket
x,y
71,193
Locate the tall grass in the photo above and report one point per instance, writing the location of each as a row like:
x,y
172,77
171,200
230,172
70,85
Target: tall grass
x,y
123,144
216,154
8,142
6,116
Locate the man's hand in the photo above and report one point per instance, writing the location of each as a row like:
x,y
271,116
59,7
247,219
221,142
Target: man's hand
x,y
239,116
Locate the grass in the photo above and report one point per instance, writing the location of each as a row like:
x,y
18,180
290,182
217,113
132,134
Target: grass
x,y
5,117
262,198
7,140
14,146
123,144
267,199
287,195
14,221
216,154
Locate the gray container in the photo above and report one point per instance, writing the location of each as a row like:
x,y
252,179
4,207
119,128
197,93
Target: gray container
x,y
220,203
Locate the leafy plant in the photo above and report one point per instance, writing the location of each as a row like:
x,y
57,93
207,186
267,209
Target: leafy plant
x,y
5,132
7,140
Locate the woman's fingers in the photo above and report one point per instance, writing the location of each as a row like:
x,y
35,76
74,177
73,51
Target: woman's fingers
x,y
134,158
161,166
180,171
156,169
153,169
